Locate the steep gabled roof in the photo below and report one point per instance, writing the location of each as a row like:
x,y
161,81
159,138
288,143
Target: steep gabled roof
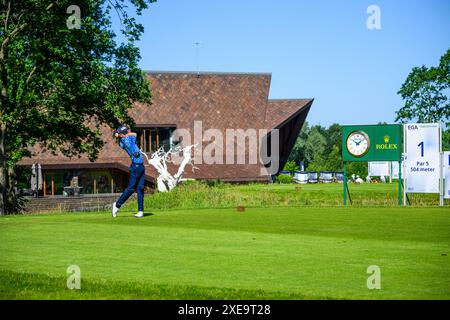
x,y
279,111
220,100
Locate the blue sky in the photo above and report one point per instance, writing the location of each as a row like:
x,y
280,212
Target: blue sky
x,y
314,49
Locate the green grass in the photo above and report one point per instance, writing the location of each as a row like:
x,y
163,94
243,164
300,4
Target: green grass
x,y
200,196
283,252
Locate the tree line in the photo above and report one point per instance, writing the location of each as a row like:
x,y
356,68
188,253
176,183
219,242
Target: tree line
x,y
426,100
319,148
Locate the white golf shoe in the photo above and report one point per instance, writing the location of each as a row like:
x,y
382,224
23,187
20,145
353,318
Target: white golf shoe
x,y
114,210
140,214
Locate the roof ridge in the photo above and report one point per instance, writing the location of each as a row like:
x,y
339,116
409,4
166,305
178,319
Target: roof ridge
x,y
208,73
291,99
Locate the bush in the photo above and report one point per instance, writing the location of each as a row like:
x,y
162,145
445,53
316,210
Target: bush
x,y
357,168
291,166
214,183
283,179
189,182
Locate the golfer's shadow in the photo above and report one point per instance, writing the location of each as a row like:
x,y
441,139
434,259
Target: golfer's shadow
x,y
148,214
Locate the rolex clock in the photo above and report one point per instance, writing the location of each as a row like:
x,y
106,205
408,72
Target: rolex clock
x,y
358,143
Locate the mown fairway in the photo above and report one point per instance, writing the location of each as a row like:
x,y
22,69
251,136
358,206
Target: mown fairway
x,y
272,252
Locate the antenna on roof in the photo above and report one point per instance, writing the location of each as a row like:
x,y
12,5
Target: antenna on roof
x,y
197,44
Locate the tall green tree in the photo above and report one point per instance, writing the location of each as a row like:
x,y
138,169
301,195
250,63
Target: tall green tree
x,y
446,140
333,134
334,158
297,153
333,150
319,147
62,76
425,92
315,147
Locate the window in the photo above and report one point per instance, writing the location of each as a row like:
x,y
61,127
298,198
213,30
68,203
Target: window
x,y
151,139
92,181
87,182
49,185
103,183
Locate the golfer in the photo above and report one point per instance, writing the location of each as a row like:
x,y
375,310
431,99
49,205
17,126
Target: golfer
x,y
137,171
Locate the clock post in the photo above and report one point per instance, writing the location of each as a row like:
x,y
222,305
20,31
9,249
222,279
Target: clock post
x,y
345,183
364,143
400,182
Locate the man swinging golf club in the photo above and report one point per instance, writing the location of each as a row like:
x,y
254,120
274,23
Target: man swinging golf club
x,y
137,171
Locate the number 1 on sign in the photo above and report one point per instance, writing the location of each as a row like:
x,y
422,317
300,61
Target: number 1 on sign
x,y
421,149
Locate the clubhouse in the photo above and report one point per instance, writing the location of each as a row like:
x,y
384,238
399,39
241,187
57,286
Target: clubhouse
x,y
182,100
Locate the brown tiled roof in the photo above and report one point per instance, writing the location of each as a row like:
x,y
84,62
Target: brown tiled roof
x,y
219,100
281,110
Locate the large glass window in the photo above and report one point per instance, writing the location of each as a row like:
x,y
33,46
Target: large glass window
x,y
98,181
87,182
103,183
164,139
59,183
151,139
54,183
48,184
92,181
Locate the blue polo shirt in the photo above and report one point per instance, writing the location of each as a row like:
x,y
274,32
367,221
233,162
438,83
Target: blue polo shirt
x,y
129,145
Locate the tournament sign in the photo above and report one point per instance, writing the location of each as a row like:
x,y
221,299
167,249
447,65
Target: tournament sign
x,y
367,143
422,158
372,143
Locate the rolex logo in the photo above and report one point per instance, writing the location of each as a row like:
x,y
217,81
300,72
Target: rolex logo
x,y
386,139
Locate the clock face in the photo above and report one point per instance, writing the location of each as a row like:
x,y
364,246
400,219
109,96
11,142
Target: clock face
x,y
358,143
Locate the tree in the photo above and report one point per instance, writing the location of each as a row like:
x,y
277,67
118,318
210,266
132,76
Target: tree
x,y
315,147
333,150
333,136
291,166
61,78
334,159
319,147
297,153
358,168
425,92
446,140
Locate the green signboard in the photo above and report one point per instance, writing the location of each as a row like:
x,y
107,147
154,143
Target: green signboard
x,y
372,143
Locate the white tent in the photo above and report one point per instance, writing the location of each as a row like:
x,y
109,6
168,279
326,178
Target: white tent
x,y
339,177
312,177
326,176
301,177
